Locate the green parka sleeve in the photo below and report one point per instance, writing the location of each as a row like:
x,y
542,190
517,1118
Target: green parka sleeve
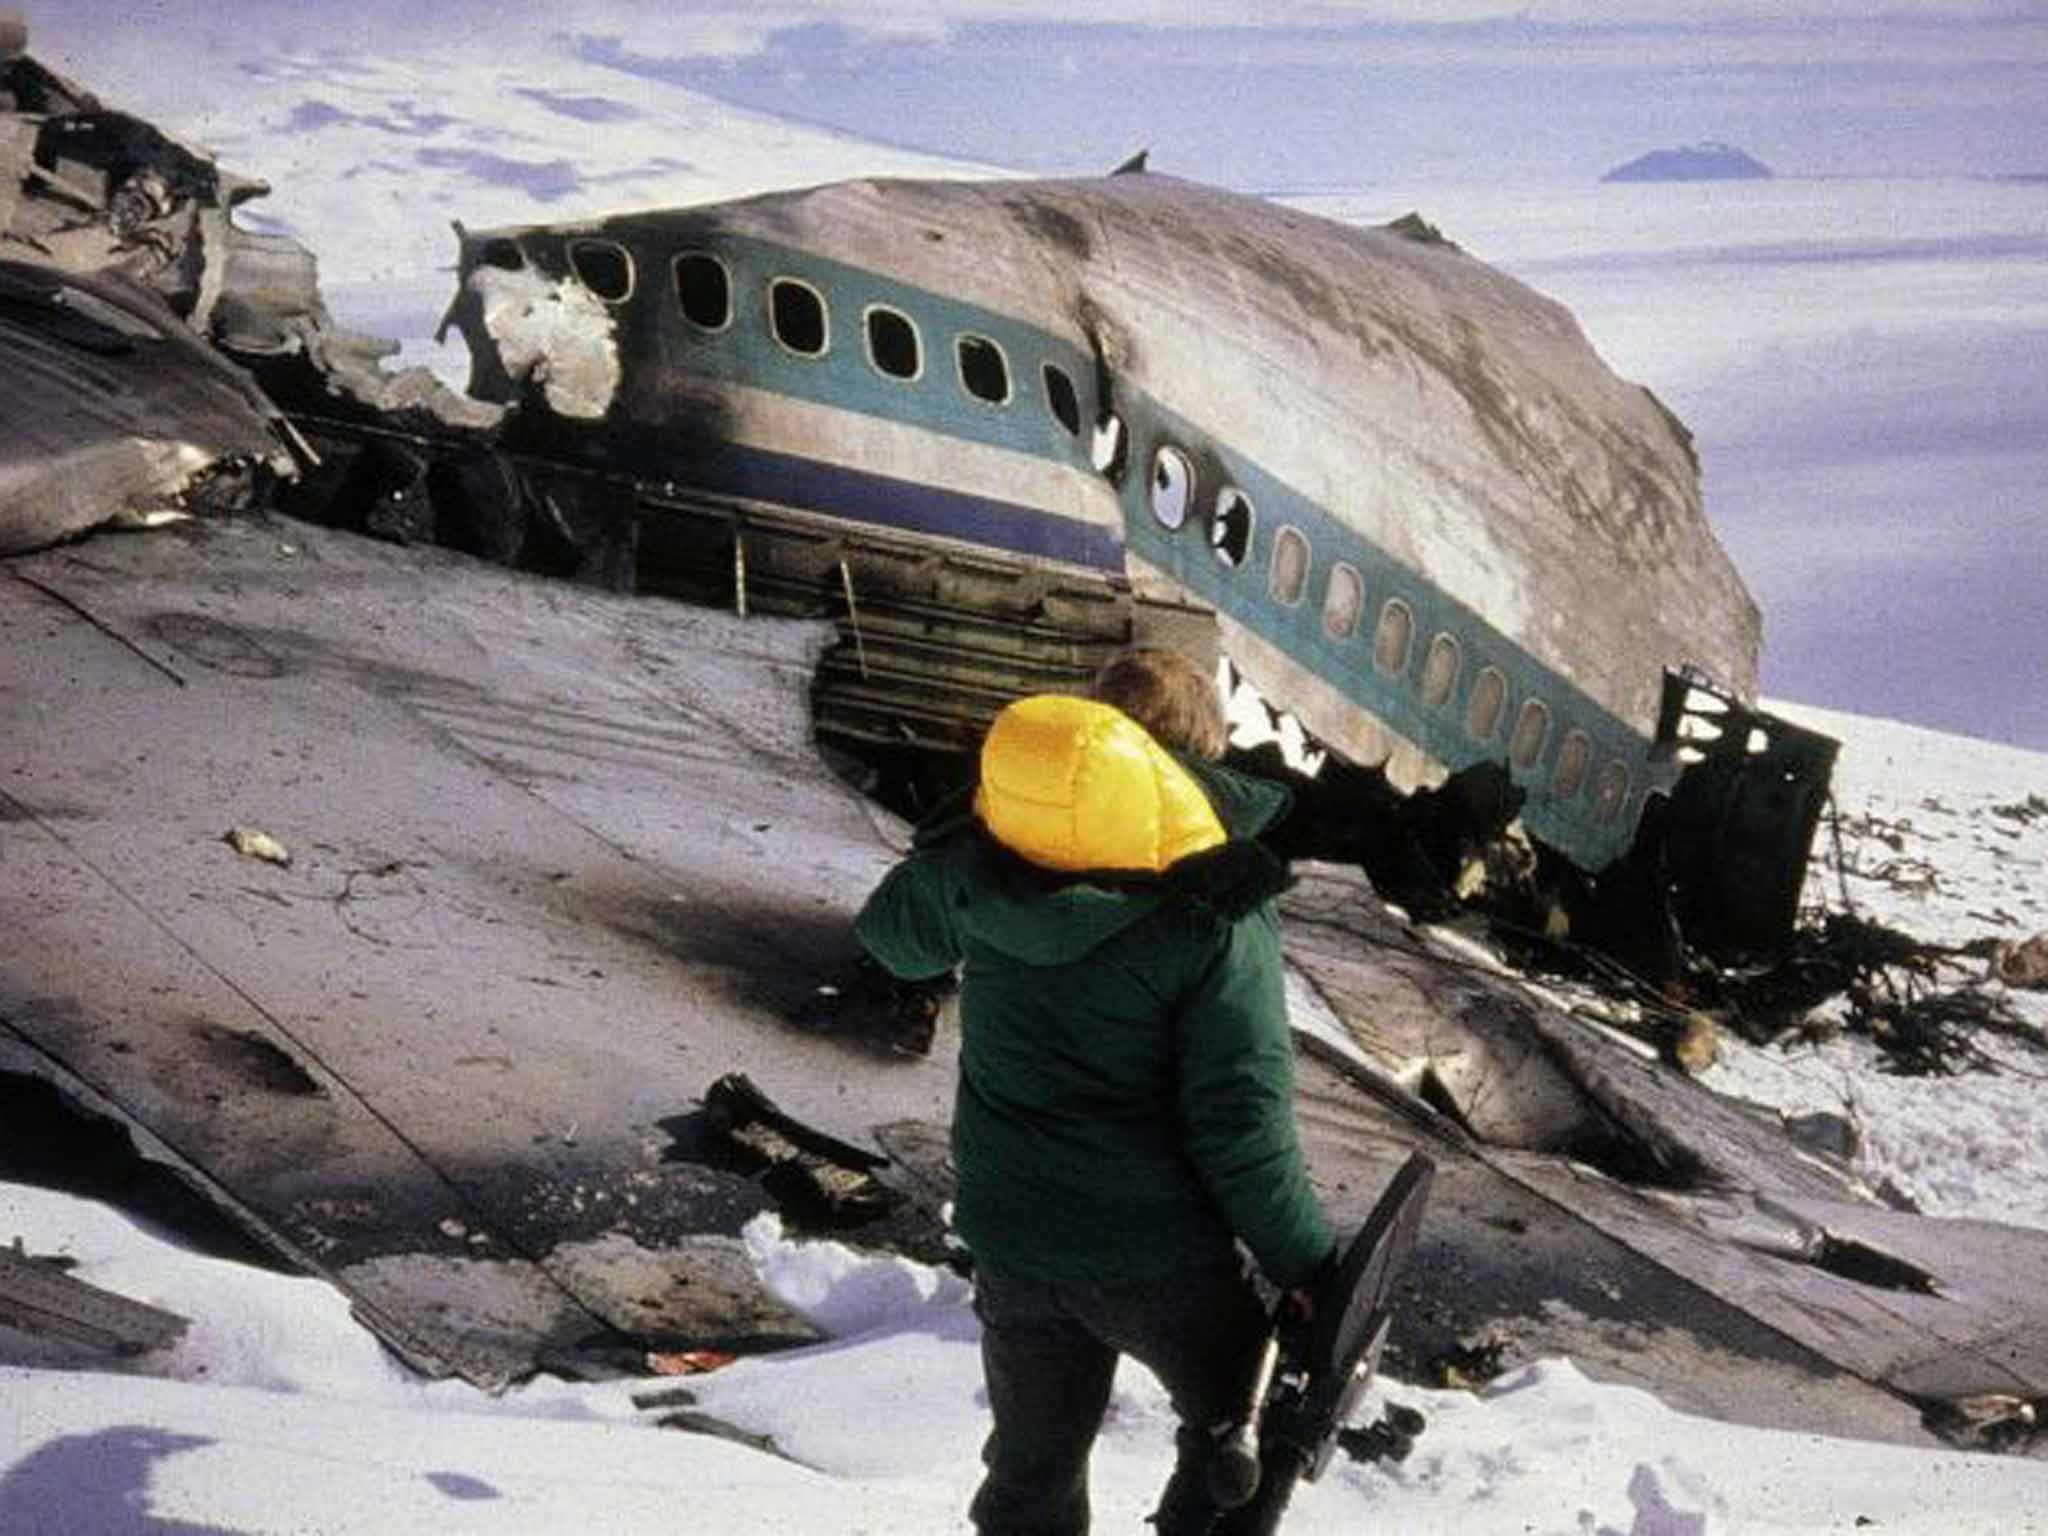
x,y
1236,1102
906,923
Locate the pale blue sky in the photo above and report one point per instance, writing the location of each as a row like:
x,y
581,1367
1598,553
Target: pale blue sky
x,y
1287,93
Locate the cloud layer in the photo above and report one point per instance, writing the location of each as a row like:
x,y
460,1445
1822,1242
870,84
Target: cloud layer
x,y
1259,95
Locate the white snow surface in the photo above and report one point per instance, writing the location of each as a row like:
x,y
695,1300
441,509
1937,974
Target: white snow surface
x,y
277,1414
372,154
1946,839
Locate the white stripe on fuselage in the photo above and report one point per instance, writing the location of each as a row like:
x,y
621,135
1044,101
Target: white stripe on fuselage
x,y
876,445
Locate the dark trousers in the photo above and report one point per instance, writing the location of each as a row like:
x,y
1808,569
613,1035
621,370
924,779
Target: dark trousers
x,y
1049,1353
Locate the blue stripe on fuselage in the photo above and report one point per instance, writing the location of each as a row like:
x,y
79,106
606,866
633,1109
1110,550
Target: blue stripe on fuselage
x,y
836,490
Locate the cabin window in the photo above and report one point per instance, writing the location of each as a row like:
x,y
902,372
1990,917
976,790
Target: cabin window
x,y
1173,486
503,254
1610,791
1230,527
892,343
1395,634
1061,400
796,312
982,370
704,289
604,267
1343,603
1573,759
1440,671
1290,566
1532,729
1489,700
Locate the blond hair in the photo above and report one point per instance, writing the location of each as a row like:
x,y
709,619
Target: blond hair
x,y
1169,695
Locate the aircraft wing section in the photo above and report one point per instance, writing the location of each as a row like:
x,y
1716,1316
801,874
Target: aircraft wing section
x,y
1669,1226
558,861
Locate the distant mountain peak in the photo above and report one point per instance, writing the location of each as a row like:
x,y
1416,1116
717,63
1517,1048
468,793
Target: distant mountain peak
x,y
1709,160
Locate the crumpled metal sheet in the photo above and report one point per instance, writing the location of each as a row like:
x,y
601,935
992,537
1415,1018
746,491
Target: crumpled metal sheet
x,y
114,411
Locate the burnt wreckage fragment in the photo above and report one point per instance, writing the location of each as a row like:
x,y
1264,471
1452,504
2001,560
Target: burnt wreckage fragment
x,y
816,1178
116,413
115,257
141,322
39,1296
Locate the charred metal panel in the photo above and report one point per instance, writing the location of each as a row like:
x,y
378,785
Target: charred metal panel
x,y
114,412
933,639
1742,819
93,195
101,190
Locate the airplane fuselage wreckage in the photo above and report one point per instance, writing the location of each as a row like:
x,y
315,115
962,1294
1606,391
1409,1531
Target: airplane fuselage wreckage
x,y
405,906
1414,507
997,429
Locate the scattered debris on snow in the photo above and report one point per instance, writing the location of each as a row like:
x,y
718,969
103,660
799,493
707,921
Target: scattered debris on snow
x,y
2022,965
39,1295
252,843
814,1176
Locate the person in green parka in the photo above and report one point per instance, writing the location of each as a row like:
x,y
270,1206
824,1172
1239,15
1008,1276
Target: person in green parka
x,y
1124,1117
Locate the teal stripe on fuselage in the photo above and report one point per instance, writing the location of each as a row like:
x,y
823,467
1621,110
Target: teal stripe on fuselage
x,y
745,353
1242,592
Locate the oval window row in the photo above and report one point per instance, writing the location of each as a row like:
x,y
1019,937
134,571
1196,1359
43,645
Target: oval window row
x,y
1173,495
800,320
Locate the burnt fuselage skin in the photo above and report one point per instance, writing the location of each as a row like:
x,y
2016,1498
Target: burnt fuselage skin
x,y
1427,518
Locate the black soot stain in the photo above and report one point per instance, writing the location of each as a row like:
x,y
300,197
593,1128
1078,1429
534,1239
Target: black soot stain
x,y
215,645
1052,224
257,1061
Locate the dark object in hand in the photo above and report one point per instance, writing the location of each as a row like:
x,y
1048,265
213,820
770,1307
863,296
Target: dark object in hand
x,y
869,1004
